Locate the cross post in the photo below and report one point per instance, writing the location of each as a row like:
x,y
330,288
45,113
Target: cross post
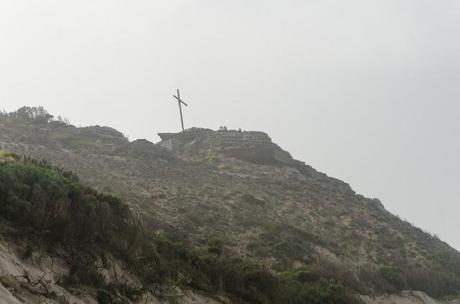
x,y
180,102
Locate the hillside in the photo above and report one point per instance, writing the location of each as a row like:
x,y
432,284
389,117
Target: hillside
x,y
62,242
242,194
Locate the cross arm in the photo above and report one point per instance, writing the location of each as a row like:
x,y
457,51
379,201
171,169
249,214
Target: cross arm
x,y
180,100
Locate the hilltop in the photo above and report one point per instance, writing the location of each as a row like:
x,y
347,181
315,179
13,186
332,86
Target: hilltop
x,y
244,196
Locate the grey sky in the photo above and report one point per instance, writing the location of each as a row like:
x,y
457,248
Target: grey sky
x,y
364,90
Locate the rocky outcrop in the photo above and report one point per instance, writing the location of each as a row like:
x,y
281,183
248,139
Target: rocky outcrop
x,y
250,146
144,149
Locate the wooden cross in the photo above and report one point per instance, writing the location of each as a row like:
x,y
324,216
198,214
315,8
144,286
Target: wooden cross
x,y
180,102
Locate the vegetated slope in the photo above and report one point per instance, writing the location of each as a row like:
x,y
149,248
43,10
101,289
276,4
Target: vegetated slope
x,y
86,247
242,191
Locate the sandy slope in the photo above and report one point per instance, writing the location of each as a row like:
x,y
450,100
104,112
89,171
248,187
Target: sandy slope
x,y
29,282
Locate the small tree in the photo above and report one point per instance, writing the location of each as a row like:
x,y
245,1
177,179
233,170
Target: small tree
x,y
32,113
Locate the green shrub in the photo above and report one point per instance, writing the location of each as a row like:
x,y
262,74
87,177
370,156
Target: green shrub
x,y
215,247
7,154
394,277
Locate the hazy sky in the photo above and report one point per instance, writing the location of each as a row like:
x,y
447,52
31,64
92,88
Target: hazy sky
x,y
364,90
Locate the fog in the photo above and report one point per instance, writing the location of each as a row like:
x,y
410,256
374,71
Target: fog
x,y
365,91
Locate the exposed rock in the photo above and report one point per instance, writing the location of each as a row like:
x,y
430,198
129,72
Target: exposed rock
x,y
144,149
254,147
28,282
